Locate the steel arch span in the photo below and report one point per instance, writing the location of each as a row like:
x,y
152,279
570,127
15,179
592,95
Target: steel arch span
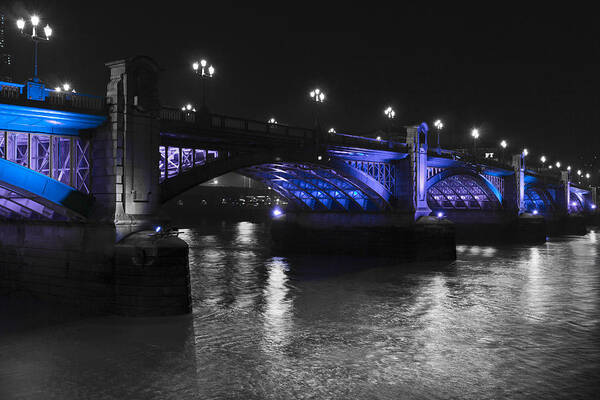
x,y
317,187
462,189
537,198
306,185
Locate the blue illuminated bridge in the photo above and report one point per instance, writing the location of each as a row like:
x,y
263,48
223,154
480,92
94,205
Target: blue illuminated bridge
x,y
83,180
67,156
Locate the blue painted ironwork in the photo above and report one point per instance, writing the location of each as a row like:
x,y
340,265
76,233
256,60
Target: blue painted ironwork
x,y
384,173
24,189
314,187
462,192
62,158
175,160
536,198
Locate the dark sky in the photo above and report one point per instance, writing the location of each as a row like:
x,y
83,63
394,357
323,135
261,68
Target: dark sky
x,y
527,75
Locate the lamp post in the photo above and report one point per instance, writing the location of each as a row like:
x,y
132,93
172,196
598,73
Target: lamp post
x,y
524,154
35,21
390,114
317,96
204,73
439,125
503,145
475,135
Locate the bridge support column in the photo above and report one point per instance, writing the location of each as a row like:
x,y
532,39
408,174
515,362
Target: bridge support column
x,y
529,228
416,139
519,185
126,181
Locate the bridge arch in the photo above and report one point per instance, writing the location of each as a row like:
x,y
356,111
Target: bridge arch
x,y
536,197
305,184
462,189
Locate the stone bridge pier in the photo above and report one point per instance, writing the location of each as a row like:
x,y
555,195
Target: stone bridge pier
x,y
151,274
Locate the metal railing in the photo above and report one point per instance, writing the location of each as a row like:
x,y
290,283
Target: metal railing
x,y
17,93
216,121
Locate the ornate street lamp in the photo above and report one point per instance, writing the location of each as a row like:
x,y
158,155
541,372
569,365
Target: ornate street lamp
x,y
317,96
35,21
204,72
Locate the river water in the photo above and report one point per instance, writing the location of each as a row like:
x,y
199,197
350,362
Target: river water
x,y
500,322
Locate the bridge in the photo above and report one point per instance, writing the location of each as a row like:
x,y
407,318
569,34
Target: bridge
x,y
102,167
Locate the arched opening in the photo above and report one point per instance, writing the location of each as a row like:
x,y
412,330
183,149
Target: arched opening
x,y
462,192
537,199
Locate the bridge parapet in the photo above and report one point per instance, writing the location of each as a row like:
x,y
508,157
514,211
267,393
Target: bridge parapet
x,y
17,94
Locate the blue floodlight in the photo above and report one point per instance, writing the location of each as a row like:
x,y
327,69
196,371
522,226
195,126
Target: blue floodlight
x,y
535,212
440,214
277,212
157,229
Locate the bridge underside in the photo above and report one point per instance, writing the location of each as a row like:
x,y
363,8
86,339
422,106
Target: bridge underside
x,y
461,192
316,187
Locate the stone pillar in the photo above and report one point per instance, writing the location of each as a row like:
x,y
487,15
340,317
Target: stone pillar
x,y
126,177
563,195
518,163
416,140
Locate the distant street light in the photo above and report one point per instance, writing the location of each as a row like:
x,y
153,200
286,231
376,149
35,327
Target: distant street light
x,y
188,107
204,73
35,21
390,114
524,154
587,175
475,135
331,130
272,121
317,96
579,172
557,164
439,125
568,168
64,88
503,145
543,159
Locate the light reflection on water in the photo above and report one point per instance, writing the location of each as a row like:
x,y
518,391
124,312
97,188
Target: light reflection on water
x,y
500,322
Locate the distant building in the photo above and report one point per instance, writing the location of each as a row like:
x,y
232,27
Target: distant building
x,y
5,57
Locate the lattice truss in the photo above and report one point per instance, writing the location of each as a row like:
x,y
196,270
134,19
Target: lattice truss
x,y
496,181
461,192
63,158
576,202
314,187
537,199
15,205
175,160
383,173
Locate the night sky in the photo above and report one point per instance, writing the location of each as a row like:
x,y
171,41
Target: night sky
x,y
529,76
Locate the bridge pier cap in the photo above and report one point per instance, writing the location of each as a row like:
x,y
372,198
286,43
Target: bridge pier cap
x,y
126,155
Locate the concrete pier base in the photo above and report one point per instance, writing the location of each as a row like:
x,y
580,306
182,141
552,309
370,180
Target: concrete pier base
x,y
152,275
530,228
428,239
79,264
574,224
